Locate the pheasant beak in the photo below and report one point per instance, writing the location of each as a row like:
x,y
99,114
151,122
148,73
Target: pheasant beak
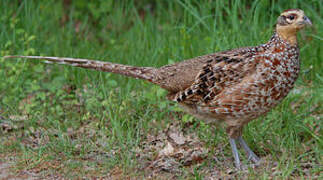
x,y
306,21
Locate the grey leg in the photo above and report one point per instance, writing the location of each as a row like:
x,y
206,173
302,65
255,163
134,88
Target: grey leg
x,y
251,155
235,153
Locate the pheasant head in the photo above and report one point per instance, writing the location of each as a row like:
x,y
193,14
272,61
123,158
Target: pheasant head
x,y
290,22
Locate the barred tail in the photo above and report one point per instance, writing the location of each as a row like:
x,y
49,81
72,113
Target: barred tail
x,y
146,73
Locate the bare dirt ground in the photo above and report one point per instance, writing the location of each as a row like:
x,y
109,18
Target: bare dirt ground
x,y
7,173
164,156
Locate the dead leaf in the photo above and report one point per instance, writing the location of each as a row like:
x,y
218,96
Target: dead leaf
x,y
167,151
18,117
177,137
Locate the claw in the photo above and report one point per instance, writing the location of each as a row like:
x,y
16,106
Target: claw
x,y
251,155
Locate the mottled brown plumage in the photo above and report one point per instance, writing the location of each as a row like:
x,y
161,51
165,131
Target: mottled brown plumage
x,y
234,86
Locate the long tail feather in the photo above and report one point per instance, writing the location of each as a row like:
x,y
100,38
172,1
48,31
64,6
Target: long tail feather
x,y
146,73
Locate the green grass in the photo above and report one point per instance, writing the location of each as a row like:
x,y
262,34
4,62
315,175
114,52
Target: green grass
x,y
71,122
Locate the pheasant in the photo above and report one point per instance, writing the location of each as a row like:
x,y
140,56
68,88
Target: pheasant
x,y
234,86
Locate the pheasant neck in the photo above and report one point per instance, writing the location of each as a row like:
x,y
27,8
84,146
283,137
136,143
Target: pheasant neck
x,y
287,34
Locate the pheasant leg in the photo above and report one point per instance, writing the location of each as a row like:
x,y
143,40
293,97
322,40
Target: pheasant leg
x,y
251,155
235,153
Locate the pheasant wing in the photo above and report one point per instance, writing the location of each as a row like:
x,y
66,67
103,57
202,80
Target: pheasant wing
x,y
219,73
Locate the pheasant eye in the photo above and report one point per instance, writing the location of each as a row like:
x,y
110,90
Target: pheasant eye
x,y
291,17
